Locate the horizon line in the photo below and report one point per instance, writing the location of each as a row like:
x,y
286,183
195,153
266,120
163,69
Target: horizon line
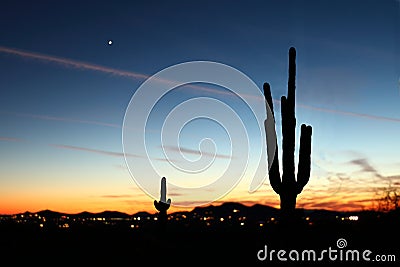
x,y
183,210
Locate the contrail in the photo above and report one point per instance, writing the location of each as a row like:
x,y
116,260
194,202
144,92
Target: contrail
x,y
10,139
73,63
53,118
83,65
353,114
91,150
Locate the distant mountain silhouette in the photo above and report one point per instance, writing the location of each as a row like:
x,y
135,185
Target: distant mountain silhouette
x,y
83,214
142,214
254,212
48,213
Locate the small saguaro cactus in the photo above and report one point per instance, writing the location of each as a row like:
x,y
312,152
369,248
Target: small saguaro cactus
x,y
163,205
288,187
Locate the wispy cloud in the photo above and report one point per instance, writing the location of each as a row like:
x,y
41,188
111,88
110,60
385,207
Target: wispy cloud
x,y
62,119
172,194
195,152
189,203
65,62
348,191
166,160
352,114
72,63
365,166
334,205
135,75
117,196
121,167
11,139
96,151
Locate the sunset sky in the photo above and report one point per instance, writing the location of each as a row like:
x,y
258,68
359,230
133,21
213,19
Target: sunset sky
x,y
65,91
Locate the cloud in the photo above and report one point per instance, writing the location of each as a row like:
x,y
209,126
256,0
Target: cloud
x,y
11,139
368,200
341,191
53,118
116,196
335,205
96,151
110,153
139,76
175,194
121,167
366,166
72,63
352,114
195,152
166,160
89,66
344,202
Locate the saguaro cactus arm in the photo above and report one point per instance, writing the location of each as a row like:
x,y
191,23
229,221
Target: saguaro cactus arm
x,y
304,167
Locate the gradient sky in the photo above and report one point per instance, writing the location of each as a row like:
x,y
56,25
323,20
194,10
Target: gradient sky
x,y
64,92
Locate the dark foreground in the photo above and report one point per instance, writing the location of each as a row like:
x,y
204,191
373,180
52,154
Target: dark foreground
x,y
187,245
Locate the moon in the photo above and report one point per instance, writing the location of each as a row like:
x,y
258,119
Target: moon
x,y
110,42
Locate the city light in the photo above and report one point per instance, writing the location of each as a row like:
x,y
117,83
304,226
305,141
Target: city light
x,y
208,218
353,218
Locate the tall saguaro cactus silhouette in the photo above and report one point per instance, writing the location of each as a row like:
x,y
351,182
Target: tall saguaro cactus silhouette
x,y
288,187
163,205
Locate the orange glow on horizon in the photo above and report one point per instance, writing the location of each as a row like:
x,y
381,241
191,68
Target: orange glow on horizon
x,y
73,206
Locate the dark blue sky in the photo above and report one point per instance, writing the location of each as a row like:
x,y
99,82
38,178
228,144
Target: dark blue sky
x,y
360,37
348,58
